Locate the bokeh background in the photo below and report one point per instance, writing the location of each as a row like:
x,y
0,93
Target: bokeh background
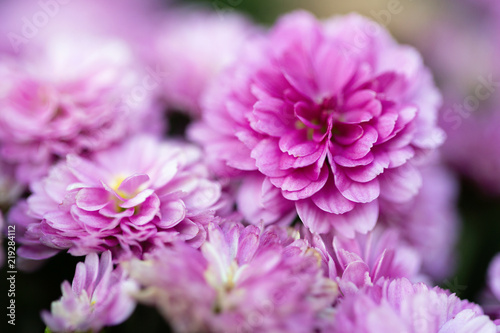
x,y
414,23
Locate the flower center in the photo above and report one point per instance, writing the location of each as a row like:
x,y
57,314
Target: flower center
x,y
115,184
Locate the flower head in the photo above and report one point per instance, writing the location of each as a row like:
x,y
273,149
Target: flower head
x,y
366,259
242,279
335,125
99,296
128,198
400,306
193,47
70,94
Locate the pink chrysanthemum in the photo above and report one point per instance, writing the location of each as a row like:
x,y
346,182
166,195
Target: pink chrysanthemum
x,y
130,197
366,259
70,94
192,47
398,306
332,114
99,296
242,280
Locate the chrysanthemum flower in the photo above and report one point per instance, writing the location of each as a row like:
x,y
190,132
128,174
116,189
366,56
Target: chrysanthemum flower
x,y
242,280
99,296
332,114
192,47
366,259
70,94
399,306
130,197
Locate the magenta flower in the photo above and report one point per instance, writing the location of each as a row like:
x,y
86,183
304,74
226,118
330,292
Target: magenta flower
x,y
99,296
127,198
331,114
430,222
398,306
243,279
192,47
71,94
366,259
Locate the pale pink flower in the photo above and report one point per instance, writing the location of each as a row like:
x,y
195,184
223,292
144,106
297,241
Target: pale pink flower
x,y
395,306
99,296
192,46
138,195
242,280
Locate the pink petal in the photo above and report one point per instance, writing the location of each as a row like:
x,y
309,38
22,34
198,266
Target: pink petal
x,y
317,220
172,213
356,191
131,184
92,199
362,146
362,218
271,117
358,274
310,189
330,200
138,199
267,156
146,211
333,70
363,174
400,184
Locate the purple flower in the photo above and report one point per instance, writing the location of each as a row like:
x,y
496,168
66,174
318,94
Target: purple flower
x,y
366,259
242,279
332,114
192,47
399,306
70,93
127,198
99,296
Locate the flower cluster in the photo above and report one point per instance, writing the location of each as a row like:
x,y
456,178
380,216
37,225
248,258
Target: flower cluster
x,y
306,192
243,279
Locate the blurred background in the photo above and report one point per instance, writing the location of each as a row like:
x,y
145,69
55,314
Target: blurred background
x,y
460,42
